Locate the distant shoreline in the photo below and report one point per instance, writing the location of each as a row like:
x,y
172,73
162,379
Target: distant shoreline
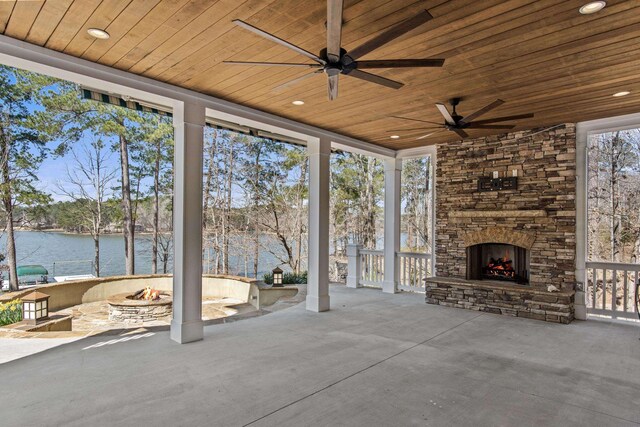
x,y
73,233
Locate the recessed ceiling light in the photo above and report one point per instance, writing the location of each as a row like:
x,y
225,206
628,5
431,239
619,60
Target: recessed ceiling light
x,y
298,102
623,93
98,33
395,137
592,7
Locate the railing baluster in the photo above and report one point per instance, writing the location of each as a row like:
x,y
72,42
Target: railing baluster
x,y
594,284
635,286
405,281
625,291
414,271
614,290
604,288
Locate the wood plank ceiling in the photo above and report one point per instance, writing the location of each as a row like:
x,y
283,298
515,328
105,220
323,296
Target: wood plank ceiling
x,y
540,56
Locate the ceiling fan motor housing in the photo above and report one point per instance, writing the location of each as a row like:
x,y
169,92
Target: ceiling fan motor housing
x,y
345,65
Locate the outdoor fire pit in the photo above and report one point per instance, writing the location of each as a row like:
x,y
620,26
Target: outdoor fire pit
x,y
143,306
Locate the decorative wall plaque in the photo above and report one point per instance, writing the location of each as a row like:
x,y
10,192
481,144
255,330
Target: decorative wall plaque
x,y
497,184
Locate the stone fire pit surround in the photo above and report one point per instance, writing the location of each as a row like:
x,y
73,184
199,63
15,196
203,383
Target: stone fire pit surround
x,y
539,215
124,308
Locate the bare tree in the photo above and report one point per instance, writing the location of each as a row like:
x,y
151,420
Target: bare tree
x,y
416,191
89,180
614,198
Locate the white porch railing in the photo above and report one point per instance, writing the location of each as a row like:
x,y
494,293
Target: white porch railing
x,y
414,268
366,268
611,289
372,268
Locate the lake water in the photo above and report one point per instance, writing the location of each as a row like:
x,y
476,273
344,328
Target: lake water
x,y
69,254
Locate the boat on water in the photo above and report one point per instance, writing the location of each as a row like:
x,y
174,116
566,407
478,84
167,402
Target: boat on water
x,y
31,276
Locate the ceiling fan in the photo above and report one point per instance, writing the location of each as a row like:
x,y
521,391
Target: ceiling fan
x,y
457,123
334,60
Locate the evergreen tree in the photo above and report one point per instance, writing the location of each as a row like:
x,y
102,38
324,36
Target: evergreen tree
x,y
23,146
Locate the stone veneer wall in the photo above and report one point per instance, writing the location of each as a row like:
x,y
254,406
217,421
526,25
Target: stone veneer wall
x,y
512,300
544,202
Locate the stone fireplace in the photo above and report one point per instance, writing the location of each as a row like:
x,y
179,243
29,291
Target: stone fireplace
x,y
508,251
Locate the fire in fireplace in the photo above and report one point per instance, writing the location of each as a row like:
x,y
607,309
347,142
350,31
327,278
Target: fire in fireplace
x,y
497,261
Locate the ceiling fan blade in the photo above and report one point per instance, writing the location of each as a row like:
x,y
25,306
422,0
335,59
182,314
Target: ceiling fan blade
x,y
333,86
390,34
445,113
475,125
285,85
413,129
504,119
425,136
373,78
429,134
416,120
483,110
273,64
400,63
460,132
278,40
334,29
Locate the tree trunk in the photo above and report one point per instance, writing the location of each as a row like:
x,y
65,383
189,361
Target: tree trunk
x,y
300,218
156,209
96,255
11,243
206,202
127,210
256,207
613,193
227,210
369,208
211,152
7,203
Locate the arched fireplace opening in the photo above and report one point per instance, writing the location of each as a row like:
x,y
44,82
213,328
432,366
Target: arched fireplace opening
x,y
498,261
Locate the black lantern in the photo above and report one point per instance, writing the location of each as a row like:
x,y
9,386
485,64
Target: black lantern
x,y
277,277
35,307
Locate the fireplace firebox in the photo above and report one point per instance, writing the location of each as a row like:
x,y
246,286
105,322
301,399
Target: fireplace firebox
x,y
498,261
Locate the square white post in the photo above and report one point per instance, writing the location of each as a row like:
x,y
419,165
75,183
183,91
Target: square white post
x,y
432,182
392,178
354,267
319,151
189,122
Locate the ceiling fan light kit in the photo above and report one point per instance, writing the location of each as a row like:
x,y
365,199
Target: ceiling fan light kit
x,y
334,60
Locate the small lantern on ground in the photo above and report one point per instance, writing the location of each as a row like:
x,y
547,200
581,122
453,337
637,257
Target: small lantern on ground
x,y
277,277
35,307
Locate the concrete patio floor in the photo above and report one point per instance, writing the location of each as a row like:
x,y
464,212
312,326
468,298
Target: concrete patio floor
x,y
373,360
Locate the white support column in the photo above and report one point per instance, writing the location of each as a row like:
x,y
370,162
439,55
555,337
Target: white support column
x,y
319,151
392,178
187,325
354,267
580,301
434,188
